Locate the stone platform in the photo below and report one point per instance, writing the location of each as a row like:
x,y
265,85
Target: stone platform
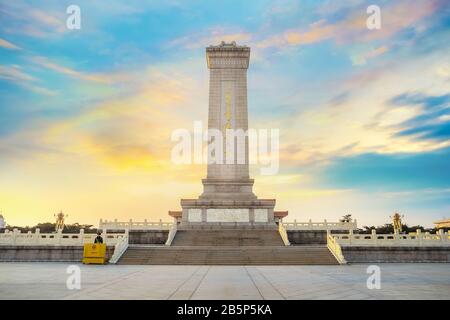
x,y
398,281
380,254
228,211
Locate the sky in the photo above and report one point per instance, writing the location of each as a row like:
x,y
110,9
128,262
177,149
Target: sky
x,y
86,115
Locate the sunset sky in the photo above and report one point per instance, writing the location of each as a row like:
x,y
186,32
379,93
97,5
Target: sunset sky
x,y
86,115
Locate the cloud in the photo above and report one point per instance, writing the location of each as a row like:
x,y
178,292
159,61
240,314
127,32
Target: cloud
x,y
361,59
433,132
390,172
433,123
395,17
104,78
15,74
131,131
317,32
21,18
359,117
112,128
329,7
8,45
429,102
210,37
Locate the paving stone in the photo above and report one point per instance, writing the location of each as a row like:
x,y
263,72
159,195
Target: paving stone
x,y
398,281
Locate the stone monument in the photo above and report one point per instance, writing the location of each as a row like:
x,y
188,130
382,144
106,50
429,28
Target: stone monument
x,y
397,222
59,224
227,190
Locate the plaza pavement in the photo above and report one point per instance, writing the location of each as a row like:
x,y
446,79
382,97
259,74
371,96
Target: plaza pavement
x,y
398,281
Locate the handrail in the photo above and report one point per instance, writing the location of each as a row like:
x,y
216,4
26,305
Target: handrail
x,y
172,233
325,225
160,225
416,239
283,234
134,225
119,249
335,249
15,237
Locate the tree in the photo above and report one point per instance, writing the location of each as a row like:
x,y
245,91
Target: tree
x,y
388,228
346,218
48,227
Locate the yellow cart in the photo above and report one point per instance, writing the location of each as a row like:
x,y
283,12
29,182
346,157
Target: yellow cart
x,y
94,253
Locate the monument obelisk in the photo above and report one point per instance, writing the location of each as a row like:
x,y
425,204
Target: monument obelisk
x,y
228,64
227,190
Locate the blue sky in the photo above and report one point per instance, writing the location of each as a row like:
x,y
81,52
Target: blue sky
x,y
86,115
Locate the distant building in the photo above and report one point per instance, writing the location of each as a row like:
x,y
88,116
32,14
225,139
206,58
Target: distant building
x,y
445,223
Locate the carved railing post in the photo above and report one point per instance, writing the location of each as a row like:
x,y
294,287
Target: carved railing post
x,y
14,236
58,237
441,235
37,236
419,237
81,240
396,236
29,238
104,234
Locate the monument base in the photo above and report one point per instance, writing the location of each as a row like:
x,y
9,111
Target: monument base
x,y
201,211
228,189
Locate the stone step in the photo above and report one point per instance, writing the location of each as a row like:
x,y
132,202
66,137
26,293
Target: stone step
x,y
232,237
212,255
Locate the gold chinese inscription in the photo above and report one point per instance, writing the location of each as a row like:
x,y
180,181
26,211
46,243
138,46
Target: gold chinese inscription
x,y
228,107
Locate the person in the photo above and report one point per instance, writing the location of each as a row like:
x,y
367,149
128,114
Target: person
x,y
99,238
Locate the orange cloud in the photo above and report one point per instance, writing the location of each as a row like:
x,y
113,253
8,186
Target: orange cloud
x,y
394,18
133,132
106,78
361,58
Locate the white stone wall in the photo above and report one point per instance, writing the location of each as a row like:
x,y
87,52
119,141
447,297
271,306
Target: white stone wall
x,y
261,215
227,215
195,215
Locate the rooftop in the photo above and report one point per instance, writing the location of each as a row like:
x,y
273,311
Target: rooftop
x,y
232,46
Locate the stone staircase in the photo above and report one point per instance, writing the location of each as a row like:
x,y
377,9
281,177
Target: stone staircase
x,y
214,245
227,255
227,237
